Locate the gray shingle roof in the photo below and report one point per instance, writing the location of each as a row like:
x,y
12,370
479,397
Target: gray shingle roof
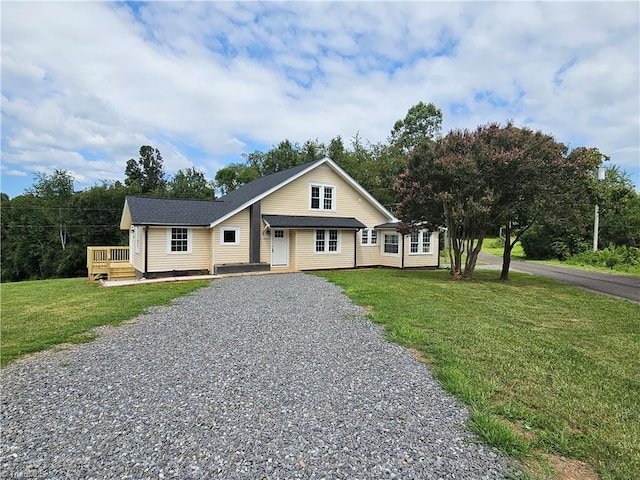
x,y
170,211
388,225
290,221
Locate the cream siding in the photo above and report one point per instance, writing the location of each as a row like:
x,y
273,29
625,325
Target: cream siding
x,y
159,260
293,199
137,258
306,257
421,259
232,253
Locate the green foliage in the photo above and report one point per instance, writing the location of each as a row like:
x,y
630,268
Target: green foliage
x,y
620,258
39,314
423,122
146,175
544,367
190,183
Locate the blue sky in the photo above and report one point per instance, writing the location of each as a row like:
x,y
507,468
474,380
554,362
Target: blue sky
x,y
85,84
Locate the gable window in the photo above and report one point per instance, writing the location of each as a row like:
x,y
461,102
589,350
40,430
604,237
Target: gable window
x,y
179,240
327,241
369,236
391,243
322,197
420,242
230,236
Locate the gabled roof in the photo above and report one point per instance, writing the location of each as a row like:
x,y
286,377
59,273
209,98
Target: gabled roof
x,y
167,211
299,221
258,189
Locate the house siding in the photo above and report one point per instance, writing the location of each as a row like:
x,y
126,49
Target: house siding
x,y
422,259
306,257
232,253
159,260
293,199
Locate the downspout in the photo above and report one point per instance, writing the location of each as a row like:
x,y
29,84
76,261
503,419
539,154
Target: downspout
x,y
355,248
146,249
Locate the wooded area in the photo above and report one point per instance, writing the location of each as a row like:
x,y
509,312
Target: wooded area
x,y
45,231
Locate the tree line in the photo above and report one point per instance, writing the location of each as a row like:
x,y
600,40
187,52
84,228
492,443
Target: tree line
x,y
473,182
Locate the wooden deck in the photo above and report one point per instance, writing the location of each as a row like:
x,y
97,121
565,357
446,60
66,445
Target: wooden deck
x,y
111,263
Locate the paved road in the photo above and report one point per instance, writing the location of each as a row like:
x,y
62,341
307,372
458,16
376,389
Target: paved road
x,y
622,286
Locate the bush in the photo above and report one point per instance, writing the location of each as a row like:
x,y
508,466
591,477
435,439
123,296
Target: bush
x,y
612,257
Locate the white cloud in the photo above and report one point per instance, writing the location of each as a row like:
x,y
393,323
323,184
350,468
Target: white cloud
x,y
85,84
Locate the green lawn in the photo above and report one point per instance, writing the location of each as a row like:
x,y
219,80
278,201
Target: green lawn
x,y
39,314
544,367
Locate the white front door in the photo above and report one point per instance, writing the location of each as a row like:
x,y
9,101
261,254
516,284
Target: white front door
x,y
280,248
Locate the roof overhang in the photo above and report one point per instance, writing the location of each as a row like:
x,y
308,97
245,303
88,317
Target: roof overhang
x,y
292,221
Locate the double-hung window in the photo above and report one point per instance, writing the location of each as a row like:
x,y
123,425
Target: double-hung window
x,y
322,197
420,242
369,236
327,241
179,240
391,243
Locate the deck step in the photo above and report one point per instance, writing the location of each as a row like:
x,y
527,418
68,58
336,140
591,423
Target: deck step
x,y
122,273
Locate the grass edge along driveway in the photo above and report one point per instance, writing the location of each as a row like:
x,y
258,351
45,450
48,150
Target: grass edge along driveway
x,y
544,368
39,314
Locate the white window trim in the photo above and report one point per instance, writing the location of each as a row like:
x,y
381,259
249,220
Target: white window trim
x,y
421,234
189,241
334,198
369,243
326,250
227,229
382,244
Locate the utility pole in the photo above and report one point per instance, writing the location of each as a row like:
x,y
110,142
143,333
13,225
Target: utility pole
x,y
596,221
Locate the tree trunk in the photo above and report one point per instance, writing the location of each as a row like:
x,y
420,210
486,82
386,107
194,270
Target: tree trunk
x,y
506,253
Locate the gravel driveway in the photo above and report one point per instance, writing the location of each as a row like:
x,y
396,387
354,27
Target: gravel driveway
x,y
274,376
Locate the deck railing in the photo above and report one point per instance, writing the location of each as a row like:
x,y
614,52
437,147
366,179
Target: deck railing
x,y
100,260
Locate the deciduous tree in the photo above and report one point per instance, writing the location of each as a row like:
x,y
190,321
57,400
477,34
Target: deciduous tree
x,y
146,175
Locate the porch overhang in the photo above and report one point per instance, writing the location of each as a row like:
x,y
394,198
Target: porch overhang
x,y
299,221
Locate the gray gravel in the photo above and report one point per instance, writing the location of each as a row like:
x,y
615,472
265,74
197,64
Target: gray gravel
x,y
275,376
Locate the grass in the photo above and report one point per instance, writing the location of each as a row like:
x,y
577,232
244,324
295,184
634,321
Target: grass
x,y
39,314
544,368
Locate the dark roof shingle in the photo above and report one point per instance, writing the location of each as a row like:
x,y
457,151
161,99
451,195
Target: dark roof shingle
x,y
171,211
291,221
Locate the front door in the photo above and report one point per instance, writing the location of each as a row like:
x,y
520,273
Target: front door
x,y
280,248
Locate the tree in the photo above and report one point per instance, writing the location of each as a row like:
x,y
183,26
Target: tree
x,y
146,175
493,177
422,122
190,183
285,155
531,178
56,193
443,186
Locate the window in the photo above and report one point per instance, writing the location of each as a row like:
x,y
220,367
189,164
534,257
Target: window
x,y
230,236
369,236
327,241
179,240
322,197
420,242
391,243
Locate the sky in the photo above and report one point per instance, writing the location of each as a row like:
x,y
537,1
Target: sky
x,y
85,84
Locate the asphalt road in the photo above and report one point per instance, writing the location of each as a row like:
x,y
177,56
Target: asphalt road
x,y
622,286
